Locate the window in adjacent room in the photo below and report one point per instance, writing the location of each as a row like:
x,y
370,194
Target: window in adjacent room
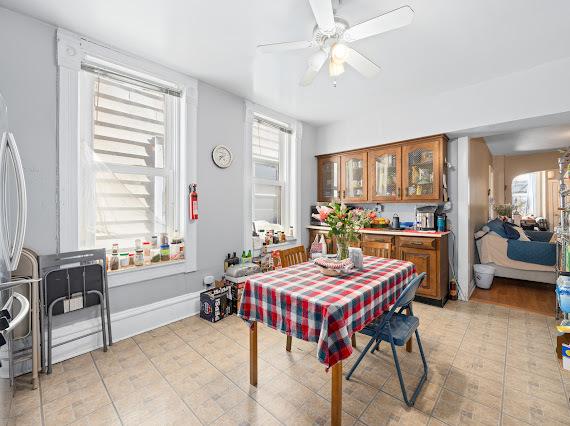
x,y
129,168
271,156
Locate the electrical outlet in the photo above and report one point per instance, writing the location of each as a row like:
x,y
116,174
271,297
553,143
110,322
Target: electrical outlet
x,y
208,280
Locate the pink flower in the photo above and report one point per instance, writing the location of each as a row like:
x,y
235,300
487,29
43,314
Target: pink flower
x,y
324,212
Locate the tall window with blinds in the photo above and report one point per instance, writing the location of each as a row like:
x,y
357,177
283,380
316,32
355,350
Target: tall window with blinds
x,y
129,161
270,155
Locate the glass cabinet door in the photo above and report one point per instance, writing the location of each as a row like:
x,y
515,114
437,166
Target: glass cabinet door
x,y
329,178
421,178
384,174
354,177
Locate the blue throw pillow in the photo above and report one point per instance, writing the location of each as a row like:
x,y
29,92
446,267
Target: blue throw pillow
x,y
498,227
512,233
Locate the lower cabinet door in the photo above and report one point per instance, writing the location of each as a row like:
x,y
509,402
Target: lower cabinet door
x,y
377,249
425,261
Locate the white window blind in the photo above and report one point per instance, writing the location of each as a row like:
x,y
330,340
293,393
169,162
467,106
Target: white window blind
x,y
128,161
269,154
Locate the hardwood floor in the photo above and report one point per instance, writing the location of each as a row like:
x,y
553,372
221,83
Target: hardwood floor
x,y
526,295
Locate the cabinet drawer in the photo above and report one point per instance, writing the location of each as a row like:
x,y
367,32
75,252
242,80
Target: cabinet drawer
x,y
418,242
377,249
377,238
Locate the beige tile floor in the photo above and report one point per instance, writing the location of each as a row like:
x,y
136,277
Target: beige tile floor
x,y
488,365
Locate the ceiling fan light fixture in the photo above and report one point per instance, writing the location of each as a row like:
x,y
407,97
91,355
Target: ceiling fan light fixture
x,y
335,69
339,53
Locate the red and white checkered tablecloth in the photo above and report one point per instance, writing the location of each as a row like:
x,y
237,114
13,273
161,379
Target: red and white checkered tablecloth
x,y
301,302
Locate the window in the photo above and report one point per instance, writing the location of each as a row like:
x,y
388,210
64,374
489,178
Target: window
x,y
126,153
128,168
270,149
524,193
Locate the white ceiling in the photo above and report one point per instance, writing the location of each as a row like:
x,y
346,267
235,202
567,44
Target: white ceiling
x,y
530,140
450,44
536,134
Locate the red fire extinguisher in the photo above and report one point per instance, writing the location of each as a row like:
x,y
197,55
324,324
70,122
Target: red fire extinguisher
x,y
193,202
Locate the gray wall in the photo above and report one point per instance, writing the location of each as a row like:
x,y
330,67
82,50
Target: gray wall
x,y
308,178
28,82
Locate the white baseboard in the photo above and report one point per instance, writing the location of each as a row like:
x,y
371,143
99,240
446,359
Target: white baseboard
x,y
125,324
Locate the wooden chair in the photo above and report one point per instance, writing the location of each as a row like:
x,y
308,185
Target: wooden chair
x,y
294,256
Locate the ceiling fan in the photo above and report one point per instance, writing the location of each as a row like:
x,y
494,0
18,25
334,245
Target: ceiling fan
x,y
332,35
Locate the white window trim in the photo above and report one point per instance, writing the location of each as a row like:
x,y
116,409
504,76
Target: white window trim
x,y
72,49
292,199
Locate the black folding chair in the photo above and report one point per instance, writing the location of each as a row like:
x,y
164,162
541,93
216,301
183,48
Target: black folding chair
x,y
397,328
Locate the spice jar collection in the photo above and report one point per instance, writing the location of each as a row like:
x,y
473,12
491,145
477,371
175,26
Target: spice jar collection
x,y
159,249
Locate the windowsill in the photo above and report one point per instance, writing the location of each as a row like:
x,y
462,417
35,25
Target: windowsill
x,y
153,271
280,246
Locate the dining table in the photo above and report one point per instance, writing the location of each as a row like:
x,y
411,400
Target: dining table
x,y
300,301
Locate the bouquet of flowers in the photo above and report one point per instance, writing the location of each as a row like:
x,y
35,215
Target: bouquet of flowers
x,y
345,224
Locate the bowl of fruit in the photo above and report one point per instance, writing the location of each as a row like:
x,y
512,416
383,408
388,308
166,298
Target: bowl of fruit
x,y
380,222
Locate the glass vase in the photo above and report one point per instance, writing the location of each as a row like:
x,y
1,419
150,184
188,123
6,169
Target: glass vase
x,y
342,247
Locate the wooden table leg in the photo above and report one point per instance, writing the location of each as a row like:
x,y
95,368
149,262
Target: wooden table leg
x,y
253,354
353,340
288,345
409,342
336,394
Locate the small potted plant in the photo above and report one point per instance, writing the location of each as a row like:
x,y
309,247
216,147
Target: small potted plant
x,y
503,211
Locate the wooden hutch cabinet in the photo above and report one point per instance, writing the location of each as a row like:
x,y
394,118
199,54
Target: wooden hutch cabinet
x,y
408,171
328,186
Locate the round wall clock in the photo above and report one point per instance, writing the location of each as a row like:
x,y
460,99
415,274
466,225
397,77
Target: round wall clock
x,y
222,156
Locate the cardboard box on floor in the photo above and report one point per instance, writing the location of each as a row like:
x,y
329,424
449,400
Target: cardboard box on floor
x,y
215,303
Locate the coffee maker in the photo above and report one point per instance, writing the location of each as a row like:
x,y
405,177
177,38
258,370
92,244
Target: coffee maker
x,y
425,218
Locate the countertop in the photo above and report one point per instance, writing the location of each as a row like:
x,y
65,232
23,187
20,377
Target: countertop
x,y
380,231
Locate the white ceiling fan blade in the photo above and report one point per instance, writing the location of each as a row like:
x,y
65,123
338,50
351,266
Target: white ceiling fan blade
x,y
316,62
283,47
381,24
362,64
323,11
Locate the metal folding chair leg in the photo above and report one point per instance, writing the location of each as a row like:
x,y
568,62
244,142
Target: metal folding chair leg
x,y
364,352
376,346
410,402
50,344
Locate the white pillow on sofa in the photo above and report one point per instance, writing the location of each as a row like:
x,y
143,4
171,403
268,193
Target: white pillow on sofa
x,y
523,236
